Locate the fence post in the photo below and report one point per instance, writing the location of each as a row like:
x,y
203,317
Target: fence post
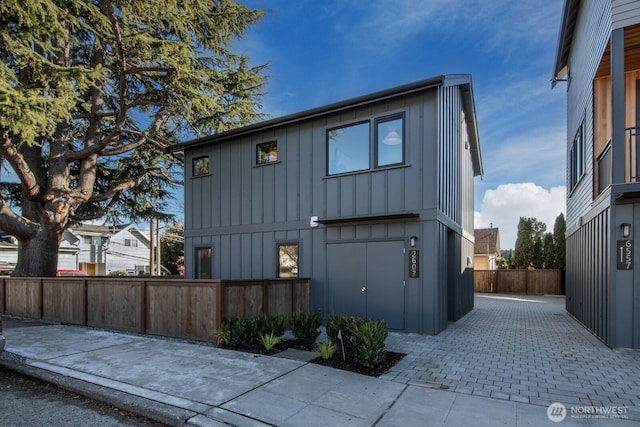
x,y
143,307
219,304
265,297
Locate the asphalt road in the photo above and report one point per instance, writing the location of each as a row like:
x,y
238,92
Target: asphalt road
x,y
26,403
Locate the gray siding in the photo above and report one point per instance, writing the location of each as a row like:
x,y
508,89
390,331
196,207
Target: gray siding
x,y
625,13
593,29
243,210
587,285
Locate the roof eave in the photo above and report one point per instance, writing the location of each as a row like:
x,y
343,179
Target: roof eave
x,y
565,40
312,113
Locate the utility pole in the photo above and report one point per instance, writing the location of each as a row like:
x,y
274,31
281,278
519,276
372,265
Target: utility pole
x,y
152,248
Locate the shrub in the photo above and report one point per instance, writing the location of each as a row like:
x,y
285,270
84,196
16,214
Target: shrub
x,y
237,332
344,324
306,326
269,340
326,349
267,324
368,341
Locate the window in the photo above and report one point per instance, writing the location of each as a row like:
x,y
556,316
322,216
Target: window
x,y
267,152
349,147
288,260
131,242
576,158
203,263
201,166
389,141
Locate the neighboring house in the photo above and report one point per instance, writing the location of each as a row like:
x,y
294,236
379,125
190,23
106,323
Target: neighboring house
x,y
598,56
487,249
98,250
370,198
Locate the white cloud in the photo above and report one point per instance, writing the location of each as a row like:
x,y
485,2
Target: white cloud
x,y
502,207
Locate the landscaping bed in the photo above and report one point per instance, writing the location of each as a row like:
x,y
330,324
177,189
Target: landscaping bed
x,y
362,339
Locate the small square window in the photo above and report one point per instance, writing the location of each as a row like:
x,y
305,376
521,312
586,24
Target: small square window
x,y
267,152
201,166
288,260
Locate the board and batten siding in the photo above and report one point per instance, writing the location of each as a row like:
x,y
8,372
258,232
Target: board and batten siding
x,y
244,209
592,32
624,13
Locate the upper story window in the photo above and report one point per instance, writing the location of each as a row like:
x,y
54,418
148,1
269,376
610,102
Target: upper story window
x,y
267,152
349,147
576,158
131,242
390,141
201,166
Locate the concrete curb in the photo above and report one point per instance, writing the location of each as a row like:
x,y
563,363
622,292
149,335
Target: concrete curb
x,y
151,409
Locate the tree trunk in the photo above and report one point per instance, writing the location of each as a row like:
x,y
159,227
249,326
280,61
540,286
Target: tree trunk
x,y
38,256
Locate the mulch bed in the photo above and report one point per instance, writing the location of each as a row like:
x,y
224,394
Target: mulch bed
x,y
337,361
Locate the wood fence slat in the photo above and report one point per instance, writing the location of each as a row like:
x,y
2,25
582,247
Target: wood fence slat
x,y
533,282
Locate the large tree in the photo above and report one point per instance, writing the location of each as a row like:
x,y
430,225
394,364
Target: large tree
x,y
91,91
530,230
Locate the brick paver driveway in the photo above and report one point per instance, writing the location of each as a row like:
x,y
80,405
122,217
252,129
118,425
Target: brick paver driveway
x,y
522,348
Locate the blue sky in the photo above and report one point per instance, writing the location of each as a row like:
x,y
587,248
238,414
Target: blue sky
x,y
321,52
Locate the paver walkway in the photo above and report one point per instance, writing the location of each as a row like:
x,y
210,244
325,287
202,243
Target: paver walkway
x,y
525,349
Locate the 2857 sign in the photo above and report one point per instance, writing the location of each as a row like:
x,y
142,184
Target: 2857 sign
x,y
625,254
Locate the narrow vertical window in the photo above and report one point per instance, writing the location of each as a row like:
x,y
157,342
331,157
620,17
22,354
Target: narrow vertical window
x,y
203,263
267,152
288,260
576,158
201,166
389,141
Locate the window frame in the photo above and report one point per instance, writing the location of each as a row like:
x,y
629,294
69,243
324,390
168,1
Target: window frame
x,y
195,168
373,151
259,161
278,264
197,264
576,158
377,122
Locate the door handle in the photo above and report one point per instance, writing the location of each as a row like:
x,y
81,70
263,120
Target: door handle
x,y
364,289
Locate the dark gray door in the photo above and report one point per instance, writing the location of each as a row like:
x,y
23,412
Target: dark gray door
x,y
367,280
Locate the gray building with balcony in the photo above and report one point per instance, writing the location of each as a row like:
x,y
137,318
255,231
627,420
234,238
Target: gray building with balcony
x,y
371,198
598,62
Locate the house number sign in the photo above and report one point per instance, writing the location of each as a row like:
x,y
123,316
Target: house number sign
x,y
625,254
414,263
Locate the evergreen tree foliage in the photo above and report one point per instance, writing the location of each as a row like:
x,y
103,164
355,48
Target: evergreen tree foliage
x,y
91,92
172,248
559,237
530,230
549,252
538,254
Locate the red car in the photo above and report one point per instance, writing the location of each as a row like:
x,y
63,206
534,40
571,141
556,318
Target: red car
x,y
61,273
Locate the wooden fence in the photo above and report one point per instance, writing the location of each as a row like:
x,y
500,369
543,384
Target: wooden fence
x,y
191,309
534,282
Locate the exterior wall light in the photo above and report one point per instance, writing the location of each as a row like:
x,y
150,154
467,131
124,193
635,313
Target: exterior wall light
x,y
412,241
626,229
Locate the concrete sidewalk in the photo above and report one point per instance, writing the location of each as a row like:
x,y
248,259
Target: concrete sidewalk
x,y
182,383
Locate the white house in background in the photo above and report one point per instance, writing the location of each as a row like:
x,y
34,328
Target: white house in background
x,y
96,249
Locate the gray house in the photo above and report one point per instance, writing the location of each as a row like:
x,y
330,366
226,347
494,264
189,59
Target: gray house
x,y
371,198
598,61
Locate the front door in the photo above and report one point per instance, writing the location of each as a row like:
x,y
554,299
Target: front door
x,y
367,280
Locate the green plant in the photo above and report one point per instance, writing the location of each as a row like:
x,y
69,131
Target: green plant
x,y
269,341
342,325
237,332
368,341
326,349
268,324
305,326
